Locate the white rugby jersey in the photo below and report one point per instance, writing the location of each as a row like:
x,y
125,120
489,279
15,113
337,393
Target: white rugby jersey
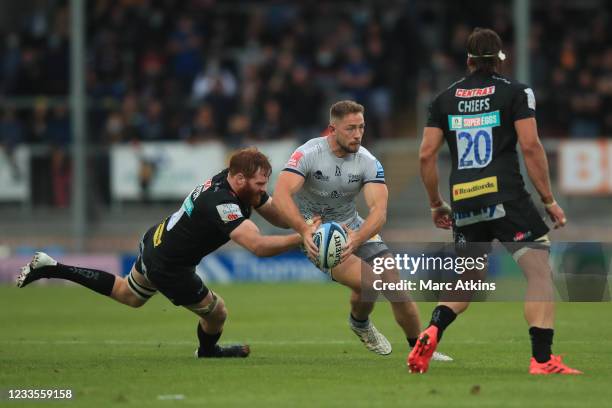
x,y
332,183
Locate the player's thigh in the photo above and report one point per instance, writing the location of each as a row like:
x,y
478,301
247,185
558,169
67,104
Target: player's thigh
x,y
522,227
180,284
351,272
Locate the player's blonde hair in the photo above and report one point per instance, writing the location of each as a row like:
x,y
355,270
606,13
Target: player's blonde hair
x,y
342,108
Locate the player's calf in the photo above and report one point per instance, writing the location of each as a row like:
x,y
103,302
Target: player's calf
x,y
213,313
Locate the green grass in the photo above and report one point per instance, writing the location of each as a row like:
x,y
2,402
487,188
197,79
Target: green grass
x,y
303,353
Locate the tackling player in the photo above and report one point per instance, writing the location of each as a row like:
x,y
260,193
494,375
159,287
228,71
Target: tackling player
x,y
322,178
482,117
211,215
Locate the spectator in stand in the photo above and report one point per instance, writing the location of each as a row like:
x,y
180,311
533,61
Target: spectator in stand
x,y
59,136
356,76
272,125
11,136
152,127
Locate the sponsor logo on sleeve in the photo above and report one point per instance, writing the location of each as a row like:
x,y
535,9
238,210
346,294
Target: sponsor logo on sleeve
x,y
295,159
380,171
531,102
207,184
229,212
475,188
476,92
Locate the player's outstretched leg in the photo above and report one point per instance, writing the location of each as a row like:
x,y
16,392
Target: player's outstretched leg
x,y
43,266
213,314
134,290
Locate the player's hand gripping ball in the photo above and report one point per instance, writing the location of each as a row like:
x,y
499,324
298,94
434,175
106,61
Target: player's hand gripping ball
x,y
330,238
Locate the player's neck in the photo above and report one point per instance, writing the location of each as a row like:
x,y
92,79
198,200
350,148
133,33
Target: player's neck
x,y
335,147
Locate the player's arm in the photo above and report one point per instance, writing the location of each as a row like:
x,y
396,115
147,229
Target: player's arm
x,y
537,167
248,236
376,197
433,138
271,213
287,185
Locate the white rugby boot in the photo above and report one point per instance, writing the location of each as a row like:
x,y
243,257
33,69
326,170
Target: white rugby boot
x,y
437,356
372,339
31,271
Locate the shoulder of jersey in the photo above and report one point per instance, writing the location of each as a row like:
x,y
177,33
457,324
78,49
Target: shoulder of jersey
x,y
313,145
363,152
502,80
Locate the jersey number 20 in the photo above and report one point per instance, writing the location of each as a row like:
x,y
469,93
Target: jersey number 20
x,y
474,148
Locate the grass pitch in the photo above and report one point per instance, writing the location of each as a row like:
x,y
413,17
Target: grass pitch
x,y
303,353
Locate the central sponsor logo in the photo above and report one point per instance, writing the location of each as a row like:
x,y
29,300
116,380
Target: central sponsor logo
x,y
475,188
472,93
338,171
318,175
485,120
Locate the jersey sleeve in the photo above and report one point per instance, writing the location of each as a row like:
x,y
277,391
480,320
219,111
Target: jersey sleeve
x,y
373,172
299,162
523,104
225,213
264,199
434,115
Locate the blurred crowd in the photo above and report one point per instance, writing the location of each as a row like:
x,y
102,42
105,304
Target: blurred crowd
x,y
236,71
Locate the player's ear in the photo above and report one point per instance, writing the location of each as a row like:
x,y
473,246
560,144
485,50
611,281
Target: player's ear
x,y
240,179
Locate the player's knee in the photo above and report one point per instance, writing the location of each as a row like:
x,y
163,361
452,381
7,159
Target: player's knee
x,y
135,302
122,293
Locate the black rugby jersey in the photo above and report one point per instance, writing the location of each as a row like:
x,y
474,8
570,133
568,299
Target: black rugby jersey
x,y
203,223
477,115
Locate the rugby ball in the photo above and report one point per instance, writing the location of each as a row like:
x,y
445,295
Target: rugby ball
x,y
330,238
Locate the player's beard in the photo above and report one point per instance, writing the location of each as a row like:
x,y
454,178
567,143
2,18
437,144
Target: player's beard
x,y
248,196
348,148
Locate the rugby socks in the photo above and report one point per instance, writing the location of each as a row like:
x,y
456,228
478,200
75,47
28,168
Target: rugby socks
x,y
411,341
98,281
442,317
541,343
360,324
207,341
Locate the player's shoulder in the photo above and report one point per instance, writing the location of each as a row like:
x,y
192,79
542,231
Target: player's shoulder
x,y
365,154
313,146
450,90
510,83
